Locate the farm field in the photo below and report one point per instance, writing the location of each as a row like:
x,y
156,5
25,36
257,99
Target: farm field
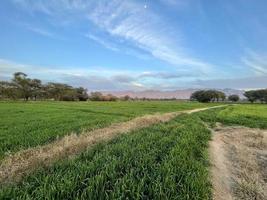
x,y
164,161
254,116
25,125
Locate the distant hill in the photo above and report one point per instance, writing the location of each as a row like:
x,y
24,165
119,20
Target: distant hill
x,y
178,94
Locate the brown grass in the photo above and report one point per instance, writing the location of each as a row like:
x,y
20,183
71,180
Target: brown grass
x,y
239,157
15,167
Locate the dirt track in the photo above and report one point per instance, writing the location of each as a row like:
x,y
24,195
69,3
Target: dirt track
x,y
14,167
239,163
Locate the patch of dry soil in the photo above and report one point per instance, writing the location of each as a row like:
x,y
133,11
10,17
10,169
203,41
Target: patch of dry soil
x,y
239,163
15,167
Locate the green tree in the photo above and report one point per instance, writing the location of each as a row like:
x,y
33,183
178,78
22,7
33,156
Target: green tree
x,y
8,90
207,96
82,94
233,98
251,95
36,88
96,96
23,85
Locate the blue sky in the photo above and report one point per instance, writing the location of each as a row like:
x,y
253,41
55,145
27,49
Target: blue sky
x,y
136,44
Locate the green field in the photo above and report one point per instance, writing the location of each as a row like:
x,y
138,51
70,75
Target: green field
x,y
25,125
254,116
164,161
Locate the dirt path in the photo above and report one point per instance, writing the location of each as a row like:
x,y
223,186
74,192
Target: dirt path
x,y
16,166
239,163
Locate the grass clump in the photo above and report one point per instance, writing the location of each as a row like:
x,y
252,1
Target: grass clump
x,y
164,161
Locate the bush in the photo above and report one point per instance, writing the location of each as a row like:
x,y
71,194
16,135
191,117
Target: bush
x,y
98,96
233,98
68,98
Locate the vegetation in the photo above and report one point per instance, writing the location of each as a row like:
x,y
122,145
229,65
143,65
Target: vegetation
x,y
233,98
256,95
25,125
165,161
98,96
208,96
22,87
254,116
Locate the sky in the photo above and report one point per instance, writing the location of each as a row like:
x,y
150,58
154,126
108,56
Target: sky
x,y
114,45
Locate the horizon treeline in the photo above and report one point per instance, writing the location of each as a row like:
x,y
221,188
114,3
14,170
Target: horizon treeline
x,y
215,95
23,87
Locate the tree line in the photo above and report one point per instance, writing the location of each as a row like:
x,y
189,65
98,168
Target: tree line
x,y
206,96
256,95
22,87
215,95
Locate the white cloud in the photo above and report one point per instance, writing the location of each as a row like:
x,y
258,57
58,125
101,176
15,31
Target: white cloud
x,y
41,32
124,80
101,41
91,78
128,21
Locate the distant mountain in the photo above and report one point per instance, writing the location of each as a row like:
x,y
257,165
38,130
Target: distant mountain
x,y
178,94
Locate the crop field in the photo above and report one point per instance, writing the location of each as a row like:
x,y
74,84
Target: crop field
x,y
254,116
25,125
168,160
165,161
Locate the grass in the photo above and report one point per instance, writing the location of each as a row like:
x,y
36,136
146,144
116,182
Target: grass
x,y
25,125
164,161
250,115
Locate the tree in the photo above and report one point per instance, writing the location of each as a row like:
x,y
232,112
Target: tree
x,y
81,94
22,83
261,95
221,96
126,98
251,95
23,87
207,96
36,86
96,96
233,98
8,90
56,91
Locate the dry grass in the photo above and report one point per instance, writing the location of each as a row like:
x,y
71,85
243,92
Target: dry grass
x,y
16,166
242,153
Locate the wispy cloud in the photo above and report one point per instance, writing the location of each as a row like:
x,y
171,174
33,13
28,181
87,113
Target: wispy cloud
x,y
101,41
256,62
41,32
90,78
130,22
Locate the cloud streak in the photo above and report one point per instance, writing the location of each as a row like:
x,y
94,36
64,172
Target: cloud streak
x,y
126,21
256,62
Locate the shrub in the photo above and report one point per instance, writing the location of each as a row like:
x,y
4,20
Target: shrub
x,y
233,98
